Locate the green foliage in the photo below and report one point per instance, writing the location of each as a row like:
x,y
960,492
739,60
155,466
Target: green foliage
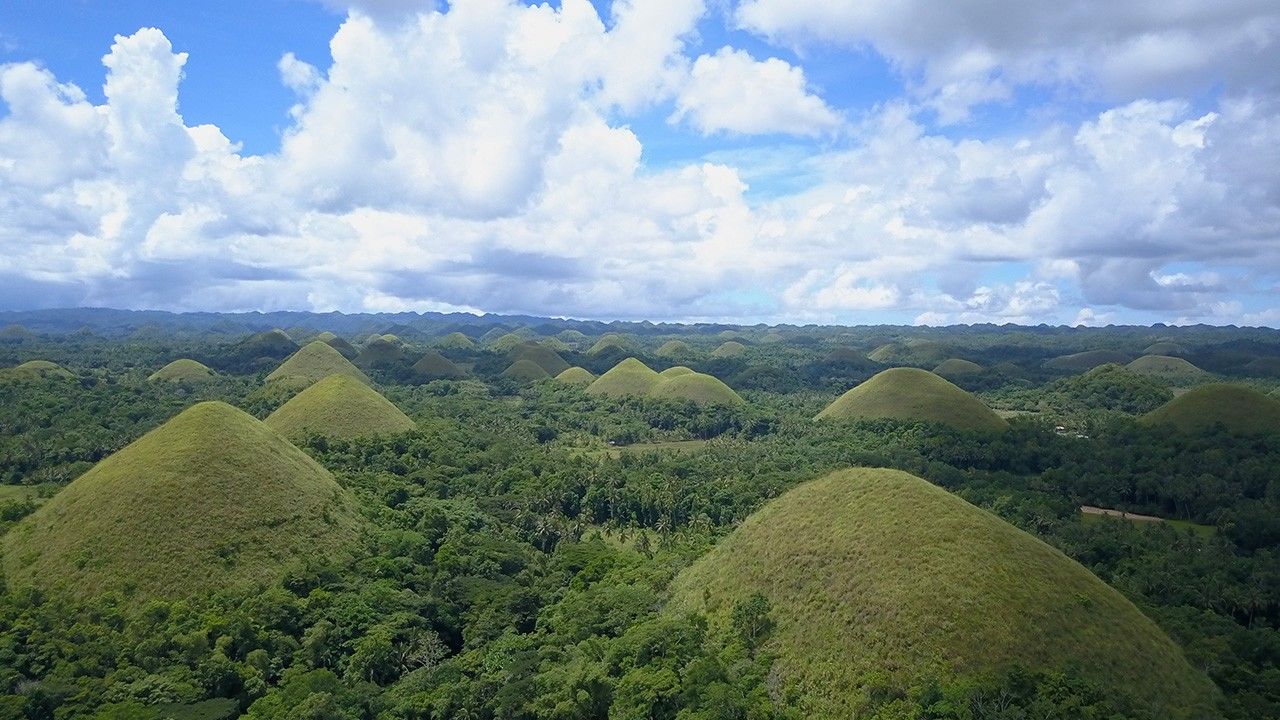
x,y
912,394
1087,360
339,406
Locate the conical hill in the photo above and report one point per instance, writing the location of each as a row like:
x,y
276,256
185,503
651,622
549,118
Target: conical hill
x,y
316,361
339,406
913,395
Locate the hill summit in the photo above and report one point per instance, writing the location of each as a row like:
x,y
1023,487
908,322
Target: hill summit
x,y
339,406
1239,408
183,371
211,499
877,576
698,388
315,362
914,395
629,377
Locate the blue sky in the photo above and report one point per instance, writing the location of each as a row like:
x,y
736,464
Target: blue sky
x,y
672,159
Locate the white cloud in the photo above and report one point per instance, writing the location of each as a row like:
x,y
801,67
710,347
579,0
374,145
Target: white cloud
x,y
481,158
731,91
969,51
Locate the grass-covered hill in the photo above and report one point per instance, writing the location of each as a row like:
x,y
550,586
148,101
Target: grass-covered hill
x,y
697,388
434,366
15,333
454,341
380,352
611,343
1165,348
507,342
1261,367
209,500
878,580
673,349
525,371
912,352
676,371
628,378
581,377
183,370
32,369
339,406
1165,367
315,362
542,356
1107,387
956,367
913,395
346,349
730,349
1240,409
1088,360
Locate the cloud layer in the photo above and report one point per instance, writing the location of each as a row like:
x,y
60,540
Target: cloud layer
x,y
483,157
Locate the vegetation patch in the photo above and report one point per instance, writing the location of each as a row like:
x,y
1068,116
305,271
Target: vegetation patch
x,y
542,356
1088,360
339,406
877,581
380,352
455,341
525,371
956,367
576,376
698,388
731,349
33,369
211,499
674,349
913,395
434,366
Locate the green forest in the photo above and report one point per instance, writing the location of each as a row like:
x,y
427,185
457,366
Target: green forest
x,y
413,517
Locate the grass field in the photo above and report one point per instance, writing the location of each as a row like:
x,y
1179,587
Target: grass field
x,y
1201,530
879,574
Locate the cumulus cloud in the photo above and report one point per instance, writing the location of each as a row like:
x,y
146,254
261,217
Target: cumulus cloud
x,y
734,92
482,158
966,52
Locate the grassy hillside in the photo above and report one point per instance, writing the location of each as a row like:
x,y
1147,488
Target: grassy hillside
x,y
576,376
1240,408
37,369
339,406
1079,362
674,349
955,367
543,357
211,499
315,362
344,348
697,388
433,366
507,342
525,371
731,349
676,371
610,342
1165,348
628,378
879,574
1165,367
380,352
911,394
915,352
182,371
454,341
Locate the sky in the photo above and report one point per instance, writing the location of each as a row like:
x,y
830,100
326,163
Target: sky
x,y
855,162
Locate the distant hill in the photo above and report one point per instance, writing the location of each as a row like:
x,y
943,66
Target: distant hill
x,y
183,371
731,349
434,366
315,362
1165,348
913,395
676,371
525,371
33,369
380,352
628,378
454,341
878,579
911,352
1165,367
674,349
611,342
212,499
1082,361
256,352
697,388
339,406
344,348
955,367
577,376
542,356
1240,409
